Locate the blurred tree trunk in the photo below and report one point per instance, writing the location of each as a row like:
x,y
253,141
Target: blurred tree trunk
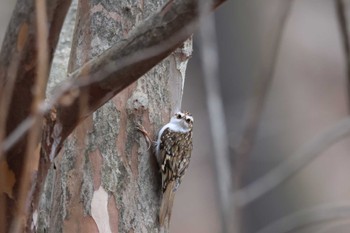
x,y
105,179
18,89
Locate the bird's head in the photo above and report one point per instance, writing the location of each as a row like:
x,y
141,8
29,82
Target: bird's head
x,y
183,120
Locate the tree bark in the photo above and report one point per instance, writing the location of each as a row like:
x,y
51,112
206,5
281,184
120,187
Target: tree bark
x,y
106,180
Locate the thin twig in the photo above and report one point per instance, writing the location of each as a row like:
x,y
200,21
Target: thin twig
x,y
309,217
210,60
343,224
260,91
293,164
343,26
31,159
6,96
5,100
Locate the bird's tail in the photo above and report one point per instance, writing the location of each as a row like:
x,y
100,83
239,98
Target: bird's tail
x,y
167,204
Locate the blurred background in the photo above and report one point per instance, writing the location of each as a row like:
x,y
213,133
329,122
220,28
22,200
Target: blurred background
x,y
307,95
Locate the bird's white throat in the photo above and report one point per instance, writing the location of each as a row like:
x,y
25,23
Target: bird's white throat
x,y
177,127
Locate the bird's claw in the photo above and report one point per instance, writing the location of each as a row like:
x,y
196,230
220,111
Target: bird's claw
x,y
142,129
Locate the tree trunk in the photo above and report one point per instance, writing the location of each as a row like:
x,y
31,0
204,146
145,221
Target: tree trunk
x,y
105,179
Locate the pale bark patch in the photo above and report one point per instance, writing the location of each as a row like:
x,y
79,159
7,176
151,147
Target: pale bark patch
x,y
35,220
99,210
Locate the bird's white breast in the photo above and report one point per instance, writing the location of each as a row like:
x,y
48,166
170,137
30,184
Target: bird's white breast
x,y
176,127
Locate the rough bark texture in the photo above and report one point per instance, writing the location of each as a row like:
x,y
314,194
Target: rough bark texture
x,y
105,180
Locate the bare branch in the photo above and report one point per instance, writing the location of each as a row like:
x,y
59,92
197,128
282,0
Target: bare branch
x,y
210,61
293,164
334,226
308,217
343,26
31,159
259,93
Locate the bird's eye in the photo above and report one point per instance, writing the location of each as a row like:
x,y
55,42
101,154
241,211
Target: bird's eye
x,y
178,116
188,120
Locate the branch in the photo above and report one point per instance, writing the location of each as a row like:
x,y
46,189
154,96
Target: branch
x,y
259,93
31,160
293,164
343,26
210,61
334,226
308,217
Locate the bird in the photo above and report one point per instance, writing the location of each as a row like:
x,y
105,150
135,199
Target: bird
x,y
173,152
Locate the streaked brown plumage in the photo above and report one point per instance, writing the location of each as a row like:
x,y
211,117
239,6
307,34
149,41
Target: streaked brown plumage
x,y
174,147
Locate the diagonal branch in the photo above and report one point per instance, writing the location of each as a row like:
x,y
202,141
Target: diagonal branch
x,y
259,94
309,217
343,27
210,62
288,168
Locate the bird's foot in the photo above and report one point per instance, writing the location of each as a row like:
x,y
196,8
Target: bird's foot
x,y
142,129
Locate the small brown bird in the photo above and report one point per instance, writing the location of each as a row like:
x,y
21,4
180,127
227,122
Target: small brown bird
x,y
173,151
